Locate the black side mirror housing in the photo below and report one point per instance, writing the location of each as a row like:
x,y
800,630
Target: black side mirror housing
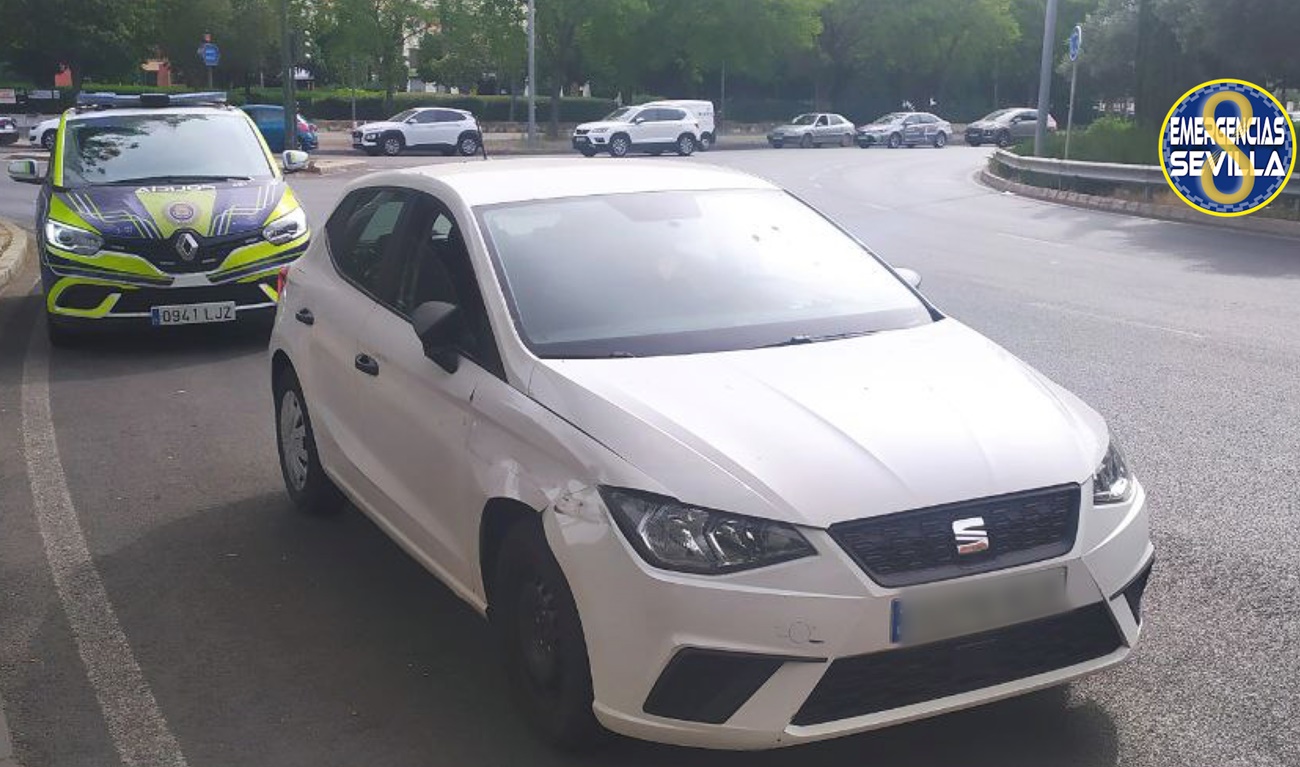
x,y
437,324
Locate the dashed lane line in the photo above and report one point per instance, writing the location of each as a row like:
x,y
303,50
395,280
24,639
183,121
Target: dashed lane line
x,y
131,713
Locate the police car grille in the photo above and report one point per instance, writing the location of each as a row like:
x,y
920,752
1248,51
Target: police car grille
x,y
164,255
868,684
919,546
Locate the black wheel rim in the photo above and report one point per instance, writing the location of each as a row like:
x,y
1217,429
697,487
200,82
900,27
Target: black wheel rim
x,y
539,635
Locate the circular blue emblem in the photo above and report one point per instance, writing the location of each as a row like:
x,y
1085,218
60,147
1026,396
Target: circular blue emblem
x,y
181,212
1228,148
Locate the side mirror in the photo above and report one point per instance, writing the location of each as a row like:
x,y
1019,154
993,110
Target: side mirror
x,y
638,120
25,171
437,323
910,276
294,160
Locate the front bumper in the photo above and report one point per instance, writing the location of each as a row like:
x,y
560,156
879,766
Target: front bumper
x,y
792,630
596,141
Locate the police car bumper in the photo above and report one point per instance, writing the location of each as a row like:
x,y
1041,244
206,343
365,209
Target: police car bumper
x,y
807,650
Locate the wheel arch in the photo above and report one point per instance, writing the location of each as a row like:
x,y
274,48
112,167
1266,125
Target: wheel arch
x,y
280,365
500,515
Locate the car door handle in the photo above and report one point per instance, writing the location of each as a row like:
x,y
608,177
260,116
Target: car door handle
x,y
305,316
367,364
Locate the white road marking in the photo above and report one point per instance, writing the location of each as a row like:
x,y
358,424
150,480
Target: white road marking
x,y
134,721
1120,320
1034,240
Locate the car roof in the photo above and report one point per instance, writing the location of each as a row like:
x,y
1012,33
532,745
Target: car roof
x,y
73,115
518,180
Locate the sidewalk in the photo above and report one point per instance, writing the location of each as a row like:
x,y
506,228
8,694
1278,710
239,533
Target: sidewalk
x,y
13,252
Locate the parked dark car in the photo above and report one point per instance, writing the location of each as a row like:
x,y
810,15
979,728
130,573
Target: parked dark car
x,y
270,121
1006,126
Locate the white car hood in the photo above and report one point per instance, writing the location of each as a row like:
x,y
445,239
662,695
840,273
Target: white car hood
x,y
380,126
826,432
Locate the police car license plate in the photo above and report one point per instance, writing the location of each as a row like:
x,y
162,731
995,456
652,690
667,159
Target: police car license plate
x,y
194,314
989,603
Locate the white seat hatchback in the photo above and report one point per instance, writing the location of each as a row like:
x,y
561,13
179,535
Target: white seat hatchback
x,y
716,474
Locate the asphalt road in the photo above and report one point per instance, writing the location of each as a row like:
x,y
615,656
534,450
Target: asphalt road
x,y
270,639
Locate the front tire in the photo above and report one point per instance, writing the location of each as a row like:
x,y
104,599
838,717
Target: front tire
x,y
392,145
972,142
1004,139
619,146
47,140
588,152
685,145
895,141
310,489
539,632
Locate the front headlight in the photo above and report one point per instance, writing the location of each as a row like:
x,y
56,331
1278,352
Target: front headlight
x,y
286,228
673,536
372,137
1112,483
599,131
73,239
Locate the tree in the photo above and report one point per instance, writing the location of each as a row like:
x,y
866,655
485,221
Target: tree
x,y
573,36
473,39
99,38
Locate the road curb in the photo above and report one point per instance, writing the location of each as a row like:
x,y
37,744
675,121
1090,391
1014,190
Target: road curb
x,y
1182,215
7,757
13,250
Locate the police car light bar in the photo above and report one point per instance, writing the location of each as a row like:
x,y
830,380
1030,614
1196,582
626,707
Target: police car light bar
x,y
110,100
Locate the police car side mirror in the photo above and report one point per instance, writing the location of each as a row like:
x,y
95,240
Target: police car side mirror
x,y
294,160
25,171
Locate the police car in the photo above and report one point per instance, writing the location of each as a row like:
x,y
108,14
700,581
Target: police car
x,y
161,210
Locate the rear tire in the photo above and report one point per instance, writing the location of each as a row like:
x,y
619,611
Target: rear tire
x,y
539,632
685,145
706,142
846,140
310,489
47,140
468,145
60,336
806,141
940,140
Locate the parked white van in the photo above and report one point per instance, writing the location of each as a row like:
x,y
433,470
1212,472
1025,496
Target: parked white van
x,y
703,112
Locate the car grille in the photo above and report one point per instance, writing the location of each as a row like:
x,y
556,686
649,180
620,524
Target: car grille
x,y
919,546
356,135
581,132
867,684
163,254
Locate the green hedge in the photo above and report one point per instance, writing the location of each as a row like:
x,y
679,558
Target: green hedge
x,y
337,104
1109,139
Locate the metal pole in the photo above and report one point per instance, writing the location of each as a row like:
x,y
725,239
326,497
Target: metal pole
x,y
1045,78
532,71
286,79
1069,120
352,78
209,78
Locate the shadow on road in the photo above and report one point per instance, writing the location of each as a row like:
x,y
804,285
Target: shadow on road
x,y
272,638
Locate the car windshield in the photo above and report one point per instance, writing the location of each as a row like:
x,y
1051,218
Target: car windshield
x,y
684,272
892,117
160,147
624,113
804,120
403,116
998,114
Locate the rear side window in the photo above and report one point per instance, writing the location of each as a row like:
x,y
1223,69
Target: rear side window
x,y
362,244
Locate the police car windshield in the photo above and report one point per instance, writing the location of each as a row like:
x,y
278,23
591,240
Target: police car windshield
x,y
109,148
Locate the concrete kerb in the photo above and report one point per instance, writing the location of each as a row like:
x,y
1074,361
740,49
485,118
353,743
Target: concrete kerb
x,y
14,244
1180,214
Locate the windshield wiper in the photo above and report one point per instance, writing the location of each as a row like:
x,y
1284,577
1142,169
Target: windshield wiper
x,y
176,179
802,339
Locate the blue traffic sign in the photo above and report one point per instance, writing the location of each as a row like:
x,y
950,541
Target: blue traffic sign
x,y
1076,42
210,54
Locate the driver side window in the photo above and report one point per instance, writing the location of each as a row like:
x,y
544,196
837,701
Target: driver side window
x,y
821,121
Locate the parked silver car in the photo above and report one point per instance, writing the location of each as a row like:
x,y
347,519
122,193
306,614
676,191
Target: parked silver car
x,y
813,129
1006,126
905,129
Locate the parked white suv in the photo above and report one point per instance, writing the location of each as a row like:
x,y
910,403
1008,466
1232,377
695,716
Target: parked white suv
x,y
644,128
44,133
716,474
446,130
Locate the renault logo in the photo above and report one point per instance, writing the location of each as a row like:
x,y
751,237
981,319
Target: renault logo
x,y
187,246
970,535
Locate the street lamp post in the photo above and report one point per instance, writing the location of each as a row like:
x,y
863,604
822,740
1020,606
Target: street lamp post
x,y
1045,78
286,78
532,71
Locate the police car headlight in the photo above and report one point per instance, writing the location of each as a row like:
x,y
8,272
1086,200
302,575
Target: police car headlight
x,y
72,239
286,228
1112,483
674,536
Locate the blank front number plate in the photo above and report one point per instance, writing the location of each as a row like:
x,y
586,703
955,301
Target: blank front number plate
x,y
969,608
194,314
